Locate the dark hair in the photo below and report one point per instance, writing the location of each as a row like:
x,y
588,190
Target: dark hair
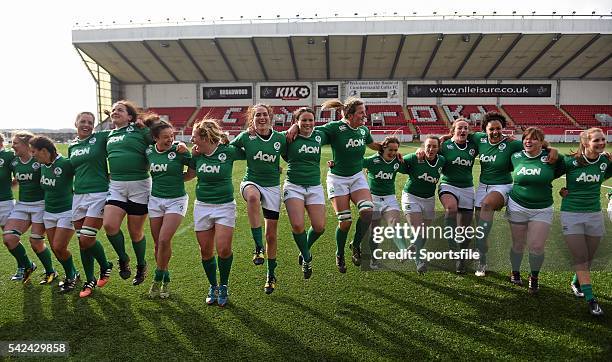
x,y
492,116
385,143
298,112
432,137
130,107
85,113
44,143
157,126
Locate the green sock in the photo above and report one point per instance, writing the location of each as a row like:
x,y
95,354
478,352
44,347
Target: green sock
x,y
45,259
257,236
451,221
21,256
587,289
271,267
97,251
159,275
535,263
575,279
140,249
515,260
88,264
340,241
361,228
481,242
167,276
225,266
69,268
210,268
302,244
118,243
312,236
419,243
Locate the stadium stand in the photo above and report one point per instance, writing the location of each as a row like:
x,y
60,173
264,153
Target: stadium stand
x,y
456,111
547,117
585,114
427,120
178,116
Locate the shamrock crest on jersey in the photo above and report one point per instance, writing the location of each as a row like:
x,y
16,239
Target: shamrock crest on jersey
x,y
277,146
148,151
14,163
544,159
472,152
450,146
171,155
318,139
501,147
57,171
222,157
36,165
129,129
603,167
92,140
396,166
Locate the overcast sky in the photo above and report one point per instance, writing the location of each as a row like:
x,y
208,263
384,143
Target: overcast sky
x,y
45,82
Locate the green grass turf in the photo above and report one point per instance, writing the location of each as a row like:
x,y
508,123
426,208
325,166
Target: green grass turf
x,y
383,315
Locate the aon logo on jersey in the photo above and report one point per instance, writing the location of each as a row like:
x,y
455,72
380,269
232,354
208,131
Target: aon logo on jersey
x,y
47,181
529,171
384,175
355,143
116,139
461,162
209,168
426,177
24,176
484,158
159,167
585,177
80,152
308,149
264,157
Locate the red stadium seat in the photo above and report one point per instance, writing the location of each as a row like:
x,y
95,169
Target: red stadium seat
x,y
538,115
177,116
427,120
585,114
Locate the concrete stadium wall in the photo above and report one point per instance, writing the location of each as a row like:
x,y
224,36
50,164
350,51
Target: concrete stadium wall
x,y
170,95
586,92
134,93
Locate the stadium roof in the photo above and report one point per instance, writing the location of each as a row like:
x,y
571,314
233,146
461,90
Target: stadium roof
x,y
323,49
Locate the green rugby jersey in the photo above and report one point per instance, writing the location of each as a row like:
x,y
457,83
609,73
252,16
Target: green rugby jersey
x,y
348,146
495,166
56,181
88,158
262,156
381,174
457,170
215,174
423,175
28,177
584,184
126,148
167,171
533,176
303,158
6,179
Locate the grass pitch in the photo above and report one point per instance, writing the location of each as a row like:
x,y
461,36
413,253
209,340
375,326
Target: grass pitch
x,y
382,315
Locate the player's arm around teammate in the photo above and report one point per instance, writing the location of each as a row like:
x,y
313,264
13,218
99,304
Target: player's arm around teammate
x,y
530,205
302,188
56,180
581,217
260,187
88,158
168,201
418,195
28,211
456,190
381,171
214,211
346,181
129,189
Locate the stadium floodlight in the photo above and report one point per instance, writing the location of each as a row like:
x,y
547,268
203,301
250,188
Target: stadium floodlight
x,y
513,12
593,13
573,13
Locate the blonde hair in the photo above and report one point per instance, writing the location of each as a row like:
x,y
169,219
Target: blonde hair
x,y
454,124
24,136
348,107
250,114
585,136
210,130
